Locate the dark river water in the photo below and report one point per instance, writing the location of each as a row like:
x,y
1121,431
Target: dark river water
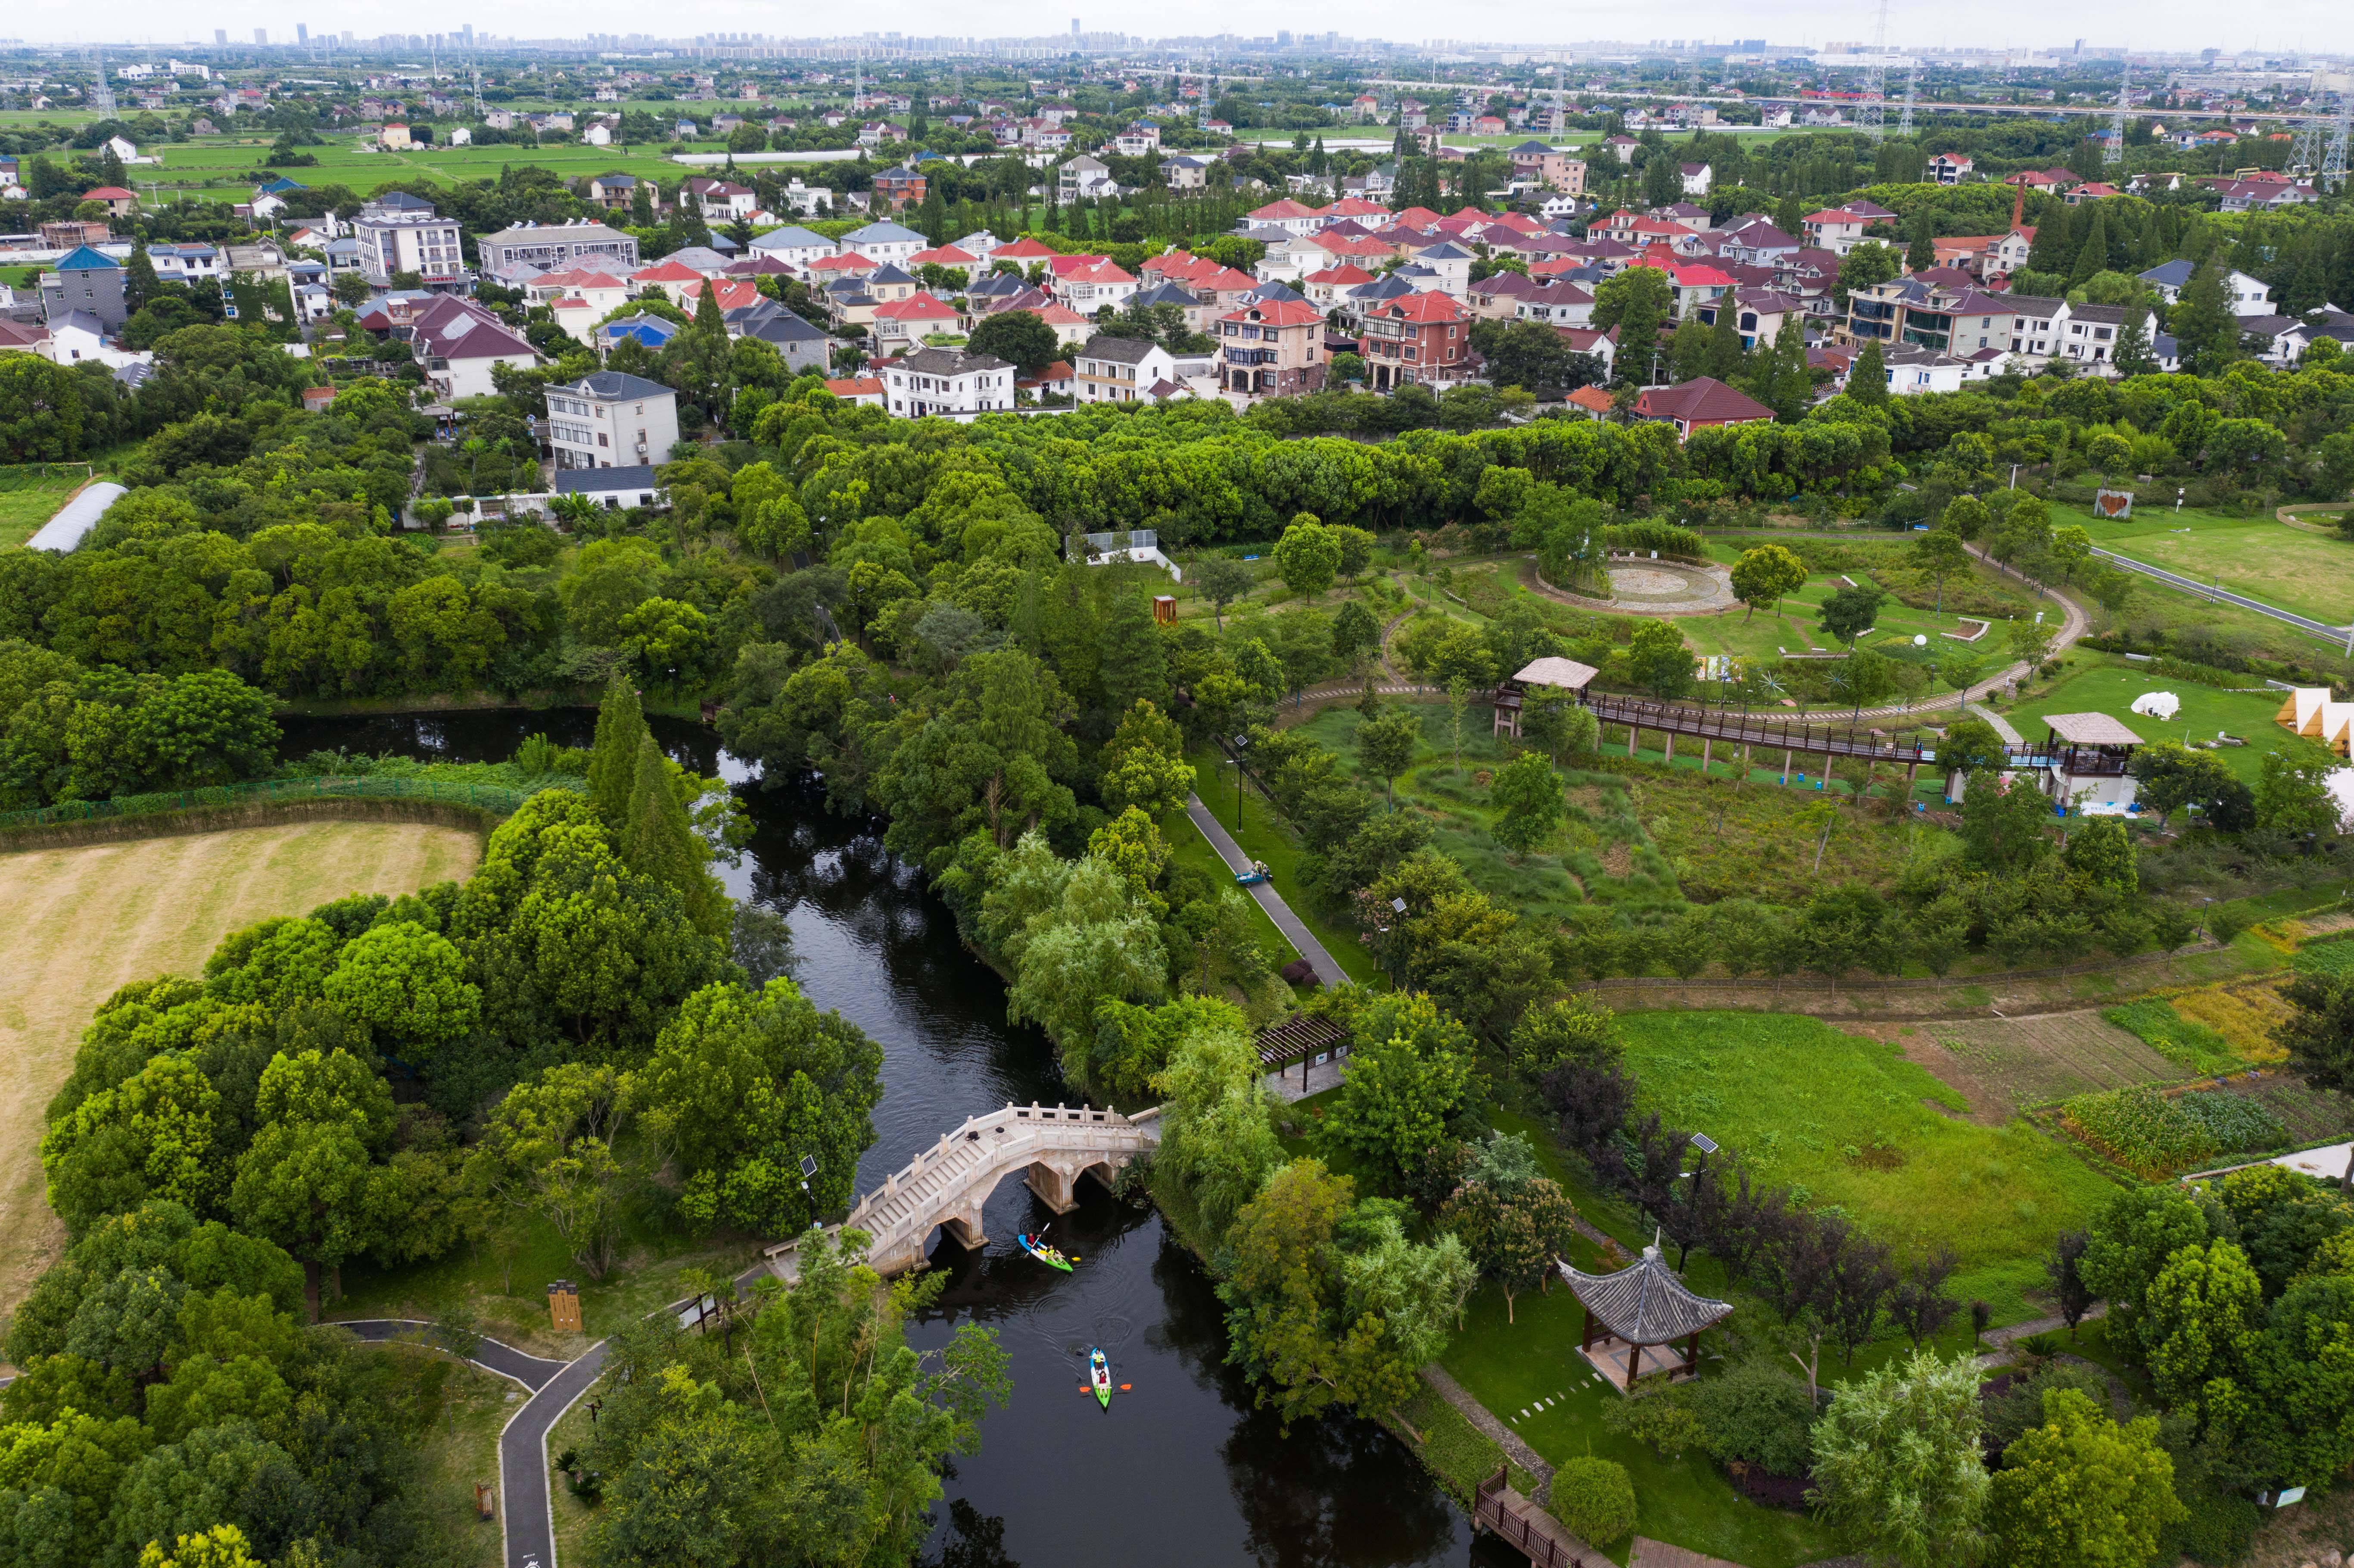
x,y
1182,1471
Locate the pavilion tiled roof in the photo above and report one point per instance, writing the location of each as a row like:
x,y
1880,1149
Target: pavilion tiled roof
x,y
1645,1303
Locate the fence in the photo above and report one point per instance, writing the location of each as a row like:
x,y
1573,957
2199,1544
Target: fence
x,y
494,797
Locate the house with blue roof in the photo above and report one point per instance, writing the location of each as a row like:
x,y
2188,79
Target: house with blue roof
x,y
87,281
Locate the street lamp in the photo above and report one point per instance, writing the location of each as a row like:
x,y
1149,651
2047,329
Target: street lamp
x,y
1240,741
809,1169
1707,1145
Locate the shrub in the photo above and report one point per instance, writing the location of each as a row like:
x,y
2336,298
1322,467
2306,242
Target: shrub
x,y
2332,958
1594,1498
1663,1421
1757,1415
2221,1527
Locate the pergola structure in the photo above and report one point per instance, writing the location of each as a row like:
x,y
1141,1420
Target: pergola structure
x,y
1561,674
1640,1308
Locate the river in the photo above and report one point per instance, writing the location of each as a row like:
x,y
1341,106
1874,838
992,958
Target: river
x,y
1180,1470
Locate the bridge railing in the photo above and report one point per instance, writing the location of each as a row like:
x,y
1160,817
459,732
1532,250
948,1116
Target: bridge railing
x,y
1056,1123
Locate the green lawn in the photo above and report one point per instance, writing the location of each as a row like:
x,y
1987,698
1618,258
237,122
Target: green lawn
x,y
1805,1105
1263,836
2110,685
2310,573
220,169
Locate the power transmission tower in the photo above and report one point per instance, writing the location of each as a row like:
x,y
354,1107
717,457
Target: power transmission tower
x,y
2305,153
1911,91
2115,152
2333,163
1871,114
101,97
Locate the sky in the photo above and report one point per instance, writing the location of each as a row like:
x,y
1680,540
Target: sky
x,y
2321,25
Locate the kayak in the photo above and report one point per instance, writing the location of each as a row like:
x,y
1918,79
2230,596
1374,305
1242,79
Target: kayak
x,y
1100,1373
1043,1254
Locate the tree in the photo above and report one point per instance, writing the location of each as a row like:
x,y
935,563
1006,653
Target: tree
x,y
1638,301
613,756
1516,1232
1220,579
1135,666
1558,722
1594,1497
2202,1313
1918,1304
2319,1039
1850,612
223,1546
1308,557
1657,661
1896,1461
1867,266
1528,793
309,1181
1408,1072
1355,633
2171,777
1921,247
742,1087
1763,576
1020,338
1864,676
547,1148
658,841
2082,1489
2292,792
1941,553
1867,378
1531,355
2130,1240
2206,331
1387,746
150,1135
407,984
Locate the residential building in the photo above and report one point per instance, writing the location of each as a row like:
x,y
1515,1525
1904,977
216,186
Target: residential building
x,y
864,391
1536,163
722,201
1961,318
1702,403
1130,369
1757,314
614,488
1912,370
1835,229
1555,303
947,382
401,233
1697,178
24,338
119,203
1423,338
899,188
904,324
1084,178
458,342
1092,288
801,345
611,420
1271,349
1141,140
615,193
600,292
2249,296
552,247
1949,168
1185,174
883,242
1452,263
1496,296
86,281
1288,216
796,246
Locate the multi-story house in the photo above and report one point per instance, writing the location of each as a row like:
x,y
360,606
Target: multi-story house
x,y
1702,403
1133,370
1423,338
402,233
1757,313
552,247
1534,162
87,281
722,201
904,324
2249,296
1272,349
1557,302
1949,168
1084,178
1185,173
614,192
1141,140
947,382
1092,288
460,344
611,420
899,188
794,246
883,242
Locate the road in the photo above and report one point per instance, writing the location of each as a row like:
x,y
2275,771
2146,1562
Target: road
x,y
2321,629
1295,931
527,1519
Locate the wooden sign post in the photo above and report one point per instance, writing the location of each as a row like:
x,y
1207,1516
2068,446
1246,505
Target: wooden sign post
x,y
564,1307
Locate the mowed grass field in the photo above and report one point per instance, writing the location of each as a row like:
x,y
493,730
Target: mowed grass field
x,y
188,166
1849,1122
2308,573
89,919
2111,685
26,501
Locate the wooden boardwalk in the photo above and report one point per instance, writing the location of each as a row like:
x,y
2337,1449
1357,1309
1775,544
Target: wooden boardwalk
x,y
1526,1528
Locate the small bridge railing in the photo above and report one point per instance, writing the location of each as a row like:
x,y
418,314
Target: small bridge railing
x,y
1521,1525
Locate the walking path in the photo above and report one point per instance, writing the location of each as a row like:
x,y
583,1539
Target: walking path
x,y
527,1513
1504,1437
2320,629
1293,929
2001,724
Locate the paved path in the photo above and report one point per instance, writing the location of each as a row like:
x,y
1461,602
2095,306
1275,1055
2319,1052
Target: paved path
x,y
2001,724
1539,1469
2320,629
1295,931
527,1519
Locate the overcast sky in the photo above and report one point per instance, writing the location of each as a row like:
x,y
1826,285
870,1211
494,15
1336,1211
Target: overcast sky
x,y
2024,24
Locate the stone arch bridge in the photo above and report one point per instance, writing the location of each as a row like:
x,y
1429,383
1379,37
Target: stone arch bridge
x,y
948,1183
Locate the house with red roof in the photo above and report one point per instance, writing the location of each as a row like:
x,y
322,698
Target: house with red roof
x,y
863,390
591,285
1700,404
1091,288
1025,253
668,279
958,262
1422,338
904,323
1591,401
1288,216
733,293
458,342
120,203
851,264
1271,349
1325,289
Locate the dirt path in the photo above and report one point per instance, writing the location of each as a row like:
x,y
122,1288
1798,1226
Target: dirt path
x,y
88,920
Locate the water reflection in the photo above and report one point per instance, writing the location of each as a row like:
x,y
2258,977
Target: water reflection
x,y
1182,1469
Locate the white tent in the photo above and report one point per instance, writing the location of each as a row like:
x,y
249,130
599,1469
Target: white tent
x,y
2160,705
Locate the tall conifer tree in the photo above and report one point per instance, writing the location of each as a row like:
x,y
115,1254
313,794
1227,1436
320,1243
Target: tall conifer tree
x,y
660,842
613,759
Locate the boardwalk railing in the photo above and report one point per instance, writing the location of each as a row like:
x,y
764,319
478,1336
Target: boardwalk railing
x,y
495,798
1522,1526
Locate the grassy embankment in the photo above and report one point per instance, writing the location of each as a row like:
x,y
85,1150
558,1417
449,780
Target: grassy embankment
x,y
89,919
2301,570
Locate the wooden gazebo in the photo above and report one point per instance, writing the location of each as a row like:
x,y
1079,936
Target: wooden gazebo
x,y
1561,674
1635,1309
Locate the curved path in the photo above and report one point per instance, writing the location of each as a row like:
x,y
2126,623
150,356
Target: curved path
x,y
527,1512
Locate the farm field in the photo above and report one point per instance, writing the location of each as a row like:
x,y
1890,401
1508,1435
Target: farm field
x,y
29,499
89,919
2308,573
2006,1065
188,166
1850,1121
2108,685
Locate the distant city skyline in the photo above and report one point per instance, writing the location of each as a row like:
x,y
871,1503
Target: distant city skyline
x,y
2286,27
